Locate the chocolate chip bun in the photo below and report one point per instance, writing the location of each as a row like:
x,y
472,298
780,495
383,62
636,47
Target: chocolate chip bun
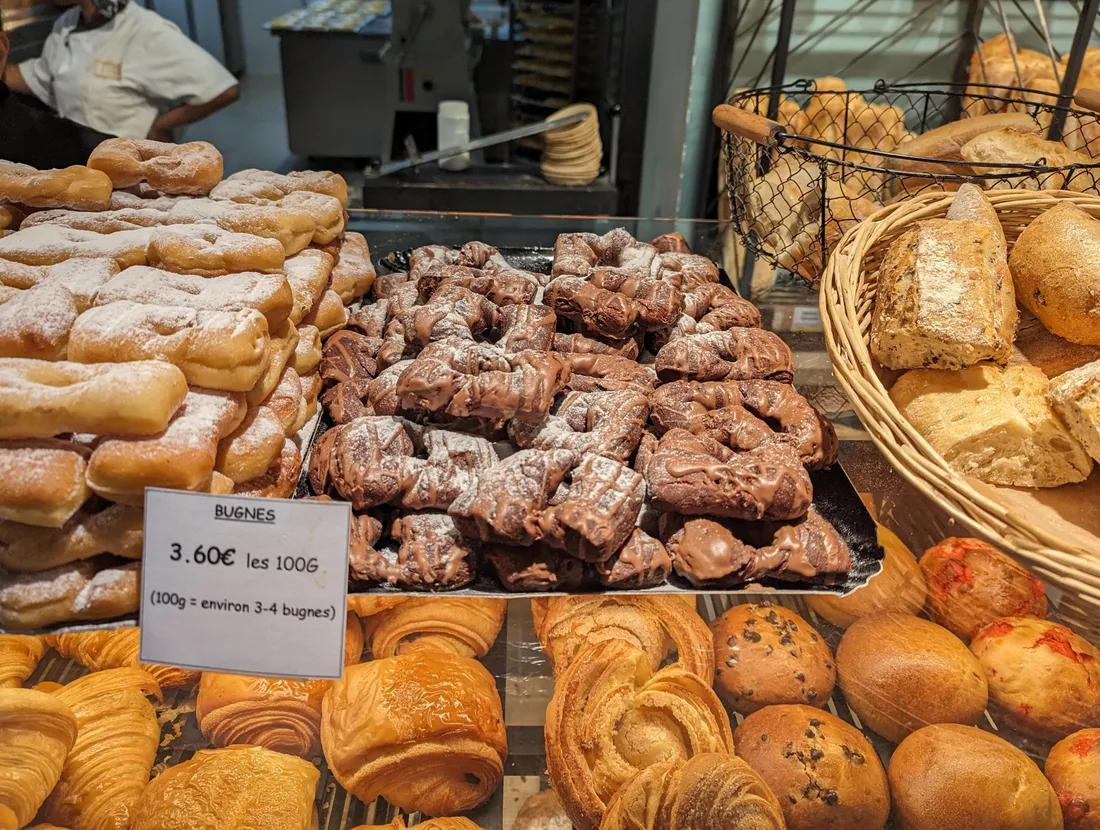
x,y
822,770
900,673
767,654
1043,678
1073,769
952,777
899,587
971,583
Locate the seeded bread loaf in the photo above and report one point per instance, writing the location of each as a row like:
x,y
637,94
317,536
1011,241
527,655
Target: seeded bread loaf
x,y
993,424
1075,396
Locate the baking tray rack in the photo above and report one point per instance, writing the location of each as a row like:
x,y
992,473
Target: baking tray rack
x,y
525,683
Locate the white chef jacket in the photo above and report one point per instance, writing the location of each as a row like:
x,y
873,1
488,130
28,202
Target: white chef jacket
x,y
118,77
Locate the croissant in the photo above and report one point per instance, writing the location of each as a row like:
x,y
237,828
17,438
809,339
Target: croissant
x,y
466,627
430,824
116,744
19,655
567,625
708,792
275,713
611,716
366,606
239,788
117,649
36,733
425,731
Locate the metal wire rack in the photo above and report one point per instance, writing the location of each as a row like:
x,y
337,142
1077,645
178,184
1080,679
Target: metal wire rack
x,y
828,158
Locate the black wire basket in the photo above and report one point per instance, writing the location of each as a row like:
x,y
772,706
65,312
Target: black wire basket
x,y
828,158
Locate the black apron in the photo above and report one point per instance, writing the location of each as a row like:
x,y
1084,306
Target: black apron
x,y
31,134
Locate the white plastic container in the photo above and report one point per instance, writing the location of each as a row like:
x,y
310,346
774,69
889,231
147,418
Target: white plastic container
x,y
453,121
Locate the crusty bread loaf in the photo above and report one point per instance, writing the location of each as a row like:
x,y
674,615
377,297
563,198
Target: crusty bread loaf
x,y
993,424
946,142
1056,268
1007,145
952,777
1075,396
1037,345
941,299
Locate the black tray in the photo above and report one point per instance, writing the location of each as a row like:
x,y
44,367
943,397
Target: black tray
x,y
835,498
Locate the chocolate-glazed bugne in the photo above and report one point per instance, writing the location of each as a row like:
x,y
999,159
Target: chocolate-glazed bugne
x,y
537,567
697,476
348,355
582,344
526,327
642,562
432,554
606,423
720,554
736,354
345,401
596,372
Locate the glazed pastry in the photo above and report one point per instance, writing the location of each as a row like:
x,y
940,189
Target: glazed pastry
x,y
424,731
971,583
36,733
535,568
116,649
279,714
707,792
824,772
899,587
116,744
1043,678
18,657
567,626
767,654
1073,770
245,787
611,717
464,626
899,673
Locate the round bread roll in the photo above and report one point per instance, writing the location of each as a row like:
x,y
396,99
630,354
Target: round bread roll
x,y
898,587
1043,678
900,673
1055,267
951,777
822,770
1073,769
767,654
971,583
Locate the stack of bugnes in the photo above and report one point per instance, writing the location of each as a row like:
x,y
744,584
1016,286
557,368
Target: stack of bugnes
x,y
572,155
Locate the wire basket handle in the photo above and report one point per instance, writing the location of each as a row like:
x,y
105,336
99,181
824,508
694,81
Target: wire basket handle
x,y
1088,98
747,125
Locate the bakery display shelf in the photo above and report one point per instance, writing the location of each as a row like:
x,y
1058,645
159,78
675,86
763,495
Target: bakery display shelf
x,y
1055,531
806,160
525,683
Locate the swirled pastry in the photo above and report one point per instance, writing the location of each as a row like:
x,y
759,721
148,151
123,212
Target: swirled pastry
x,y
708,792
36,733
463,626
239,788
398,823
279,714
424,731
611,717
566,626
116,649
18,657
116,744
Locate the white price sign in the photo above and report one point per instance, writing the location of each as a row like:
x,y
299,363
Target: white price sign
x,y
252,586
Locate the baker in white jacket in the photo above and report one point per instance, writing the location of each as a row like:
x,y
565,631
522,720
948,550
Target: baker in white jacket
x,y
122,69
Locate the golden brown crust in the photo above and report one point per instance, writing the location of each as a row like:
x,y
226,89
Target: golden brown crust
x,y
117,529
37,730
19,655
1073,769
611,716
464,626
77,591
117,649
79,188
191,169
42,481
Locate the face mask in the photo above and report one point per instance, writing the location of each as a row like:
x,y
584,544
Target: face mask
x,y
109,8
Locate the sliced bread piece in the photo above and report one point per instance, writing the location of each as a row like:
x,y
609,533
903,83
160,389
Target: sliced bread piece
x,y
993,423
1075,396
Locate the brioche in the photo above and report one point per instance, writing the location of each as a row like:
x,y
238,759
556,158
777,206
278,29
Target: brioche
x,y
1075,396
1056,267
225,350
180,458
76,187
42,481
944,298
40,399
269,294
993,424
117,530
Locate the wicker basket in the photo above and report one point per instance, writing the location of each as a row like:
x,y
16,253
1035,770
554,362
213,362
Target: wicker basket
x,y
847,302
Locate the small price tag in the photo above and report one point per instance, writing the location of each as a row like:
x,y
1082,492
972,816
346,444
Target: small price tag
x,y
252,586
